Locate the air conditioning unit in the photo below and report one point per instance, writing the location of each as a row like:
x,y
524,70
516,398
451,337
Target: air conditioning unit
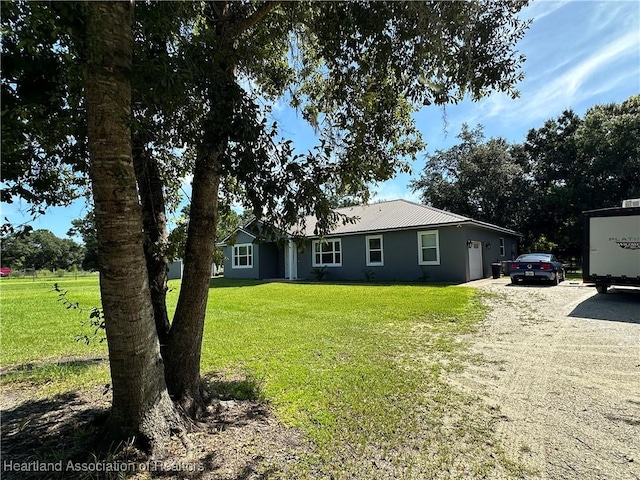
x,y
633,202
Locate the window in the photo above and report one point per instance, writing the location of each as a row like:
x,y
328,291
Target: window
x,y
327,253
428,248
375,257
502,247
242,256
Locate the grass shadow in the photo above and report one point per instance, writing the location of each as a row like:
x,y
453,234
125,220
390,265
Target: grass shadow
x,y
48,433
247,387
43,372
220,282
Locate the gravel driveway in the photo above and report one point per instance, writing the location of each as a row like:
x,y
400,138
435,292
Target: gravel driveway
x,y
561,365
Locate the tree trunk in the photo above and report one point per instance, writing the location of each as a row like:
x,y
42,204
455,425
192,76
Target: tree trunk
x,y
154,221
184,347
185,337
141,406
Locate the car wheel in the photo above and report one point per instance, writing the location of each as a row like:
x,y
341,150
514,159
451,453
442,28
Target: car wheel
x,y
556,280
513,281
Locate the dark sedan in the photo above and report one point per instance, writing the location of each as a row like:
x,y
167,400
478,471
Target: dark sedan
x,y
537,267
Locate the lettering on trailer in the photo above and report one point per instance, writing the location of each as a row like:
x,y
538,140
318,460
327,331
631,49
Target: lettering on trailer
x,y
628,243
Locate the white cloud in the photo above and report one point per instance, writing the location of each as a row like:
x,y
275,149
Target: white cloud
x,y
546,95
540,9
575,78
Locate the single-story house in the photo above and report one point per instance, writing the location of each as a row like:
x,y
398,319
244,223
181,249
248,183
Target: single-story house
x,y
175,269
389,241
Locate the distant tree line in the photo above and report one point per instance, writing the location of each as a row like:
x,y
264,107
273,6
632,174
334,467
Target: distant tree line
x,y
541,186
40,250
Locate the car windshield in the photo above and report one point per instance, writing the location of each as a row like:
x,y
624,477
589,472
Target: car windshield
x,y
534,257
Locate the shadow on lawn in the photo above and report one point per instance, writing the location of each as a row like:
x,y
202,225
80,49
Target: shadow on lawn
x,y
221,282
51,435
67,365
49,431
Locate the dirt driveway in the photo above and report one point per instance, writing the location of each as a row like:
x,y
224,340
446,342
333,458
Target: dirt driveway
x,y
562,367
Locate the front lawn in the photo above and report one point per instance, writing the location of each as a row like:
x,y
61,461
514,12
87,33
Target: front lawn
x,y
360,369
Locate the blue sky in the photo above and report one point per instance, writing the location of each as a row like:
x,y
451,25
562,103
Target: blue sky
x,y
579,54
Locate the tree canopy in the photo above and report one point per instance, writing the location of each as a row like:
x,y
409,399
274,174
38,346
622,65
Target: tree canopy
x,y
540,187
482,179
39,250
185,88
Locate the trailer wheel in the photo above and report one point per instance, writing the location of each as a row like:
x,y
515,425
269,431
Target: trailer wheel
x,y
602,288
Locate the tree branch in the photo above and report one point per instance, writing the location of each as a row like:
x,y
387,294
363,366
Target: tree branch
x,y
244,24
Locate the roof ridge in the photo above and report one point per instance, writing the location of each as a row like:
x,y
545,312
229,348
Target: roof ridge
x,y
404,200
432,208
366,205
447,212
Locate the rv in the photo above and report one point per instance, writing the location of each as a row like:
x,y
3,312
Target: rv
x,y
612,246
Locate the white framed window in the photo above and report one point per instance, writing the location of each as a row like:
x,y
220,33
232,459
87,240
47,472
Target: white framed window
x,y
375,254
428,248
242,256
502,251
327,253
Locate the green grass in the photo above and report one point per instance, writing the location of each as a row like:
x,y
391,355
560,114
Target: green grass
x,y
39,336
361,369
577,275
35,326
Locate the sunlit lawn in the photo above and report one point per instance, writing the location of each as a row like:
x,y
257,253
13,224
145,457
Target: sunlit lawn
x,y
359,368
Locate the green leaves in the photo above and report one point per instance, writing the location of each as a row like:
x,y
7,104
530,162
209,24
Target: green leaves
x,y
40,249
206,74
43,145
540,187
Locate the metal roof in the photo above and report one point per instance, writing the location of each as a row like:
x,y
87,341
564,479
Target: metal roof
x,y
396,215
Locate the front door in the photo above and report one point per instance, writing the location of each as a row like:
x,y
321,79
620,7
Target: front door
x,y
475,261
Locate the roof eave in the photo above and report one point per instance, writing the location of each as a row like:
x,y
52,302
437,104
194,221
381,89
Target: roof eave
x,y
484,225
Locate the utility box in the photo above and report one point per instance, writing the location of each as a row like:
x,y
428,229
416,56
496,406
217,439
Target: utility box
x,y
612,247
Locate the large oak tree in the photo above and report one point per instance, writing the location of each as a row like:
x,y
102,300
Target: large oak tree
x,y
202,72
141,407
540,187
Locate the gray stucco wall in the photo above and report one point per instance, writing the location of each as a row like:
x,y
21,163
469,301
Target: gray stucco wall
x,y
174,270
271,260
229,271
268,260
491,246
400,250
401,256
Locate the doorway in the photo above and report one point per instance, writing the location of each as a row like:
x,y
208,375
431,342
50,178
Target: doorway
x,y
475,260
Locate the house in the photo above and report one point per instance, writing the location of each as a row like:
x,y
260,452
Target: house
x,y
389,241
175,269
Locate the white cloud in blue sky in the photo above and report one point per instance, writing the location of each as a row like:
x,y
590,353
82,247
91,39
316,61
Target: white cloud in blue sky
x,y
578,54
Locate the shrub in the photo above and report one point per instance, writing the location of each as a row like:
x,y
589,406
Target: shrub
x,y
319,273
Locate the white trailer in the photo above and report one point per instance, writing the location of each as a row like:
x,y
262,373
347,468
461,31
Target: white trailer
x,y
612,247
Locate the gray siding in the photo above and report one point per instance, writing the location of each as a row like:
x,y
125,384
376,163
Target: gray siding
x,y
491,246
174,270
268,260
271,260
401,256
229,271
